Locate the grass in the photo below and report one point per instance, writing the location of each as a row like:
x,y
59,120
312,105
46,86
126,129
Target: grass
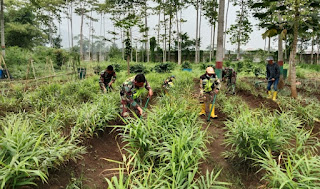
x,y
165,148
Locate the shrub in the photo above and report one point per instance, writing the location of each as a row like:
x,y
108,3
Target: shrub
x,y
17,56
186,65
139,68
164,67
204,66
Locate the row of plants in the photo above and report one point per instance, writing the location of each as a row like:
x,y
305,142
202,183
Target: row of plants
x,y
306,109
277,143
57,116
164,149
58,119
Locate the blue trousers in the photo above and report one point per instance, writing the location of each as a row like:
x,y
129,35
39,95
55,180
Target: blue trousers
x,y
275,84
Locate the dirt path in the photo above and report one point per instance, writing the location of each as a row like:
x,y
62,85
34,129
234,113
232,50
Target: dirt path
x,y
90,168
257,101
240,176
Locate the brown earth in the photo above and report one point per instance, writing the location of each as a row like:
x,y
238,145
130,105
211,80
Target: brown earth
x,y
231,170
92,167
257,101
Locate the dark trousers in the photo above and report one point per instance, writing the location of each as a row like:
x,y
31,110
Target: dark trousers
x,y
275,84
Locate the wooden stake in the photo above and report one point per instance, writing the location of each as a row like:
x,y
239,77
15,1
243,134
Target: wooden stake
x,y
34,72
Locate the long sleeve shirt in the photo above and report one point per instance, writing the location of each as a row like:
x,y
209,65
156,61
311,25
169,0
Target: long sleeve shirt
x,y
273,71
105,77
130,91
209,83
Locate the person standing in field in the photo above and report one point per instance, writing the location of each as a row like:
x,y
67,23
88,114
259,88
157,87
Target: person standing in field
x,y
209,86
130,93
229,75
273,76
107,78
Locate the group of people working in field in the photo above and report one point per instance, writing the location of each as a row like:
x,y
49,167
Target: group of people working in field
x,y
210,85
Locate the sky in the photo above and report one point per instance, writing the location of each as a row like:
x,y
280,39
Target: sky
x,y
188,14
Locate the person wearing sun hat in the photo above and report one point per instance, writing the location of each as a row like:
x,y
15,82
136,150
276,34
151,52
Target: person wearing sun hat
x,y
209,86
273,77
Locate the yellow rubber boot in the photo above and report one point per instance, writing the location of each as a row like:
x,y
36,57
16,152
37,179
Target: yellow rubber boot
x,y
213,115
274,97
269,95
203,109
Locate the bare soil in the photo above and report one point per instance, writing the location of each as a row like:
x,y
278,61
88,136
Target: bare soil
x,y
232,170
257,101
92,167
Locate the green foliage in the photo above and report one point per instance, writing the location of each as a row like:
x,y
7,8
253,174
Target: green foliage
x,y
297,169
310,66
25,153
186,65
17,56
204,66
245,28
138,68
117,67
165,148
22,29
252,132
164,67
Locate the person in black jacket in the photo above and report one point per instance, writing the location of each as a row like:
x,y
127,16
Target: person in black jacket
x,y
273,77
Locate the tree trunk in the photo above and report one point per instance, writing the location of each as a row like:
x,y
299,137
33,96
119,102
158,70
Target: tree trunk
x,y
3,44
131,56
225,29
199,41
318,51
214,34
301,49
285,50
128,64
90,35
146,32
211,29
269,45
81,34
122,43
280,46
71,24
312,44
100,46
219,58
239,30
178,38
165,38
170,27
197,35
136,53
159,21
292,60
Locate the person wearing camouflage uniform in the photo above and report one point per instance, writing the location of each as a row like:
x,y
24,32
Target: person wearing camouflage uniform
x,y
130,94
107,78
229,75
168,83
209,86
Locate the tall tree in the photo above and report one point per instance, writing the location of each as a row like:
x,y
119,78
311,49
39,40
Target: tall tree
x,y
240,32
83,8
297,22
210,13
3,45
219,58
